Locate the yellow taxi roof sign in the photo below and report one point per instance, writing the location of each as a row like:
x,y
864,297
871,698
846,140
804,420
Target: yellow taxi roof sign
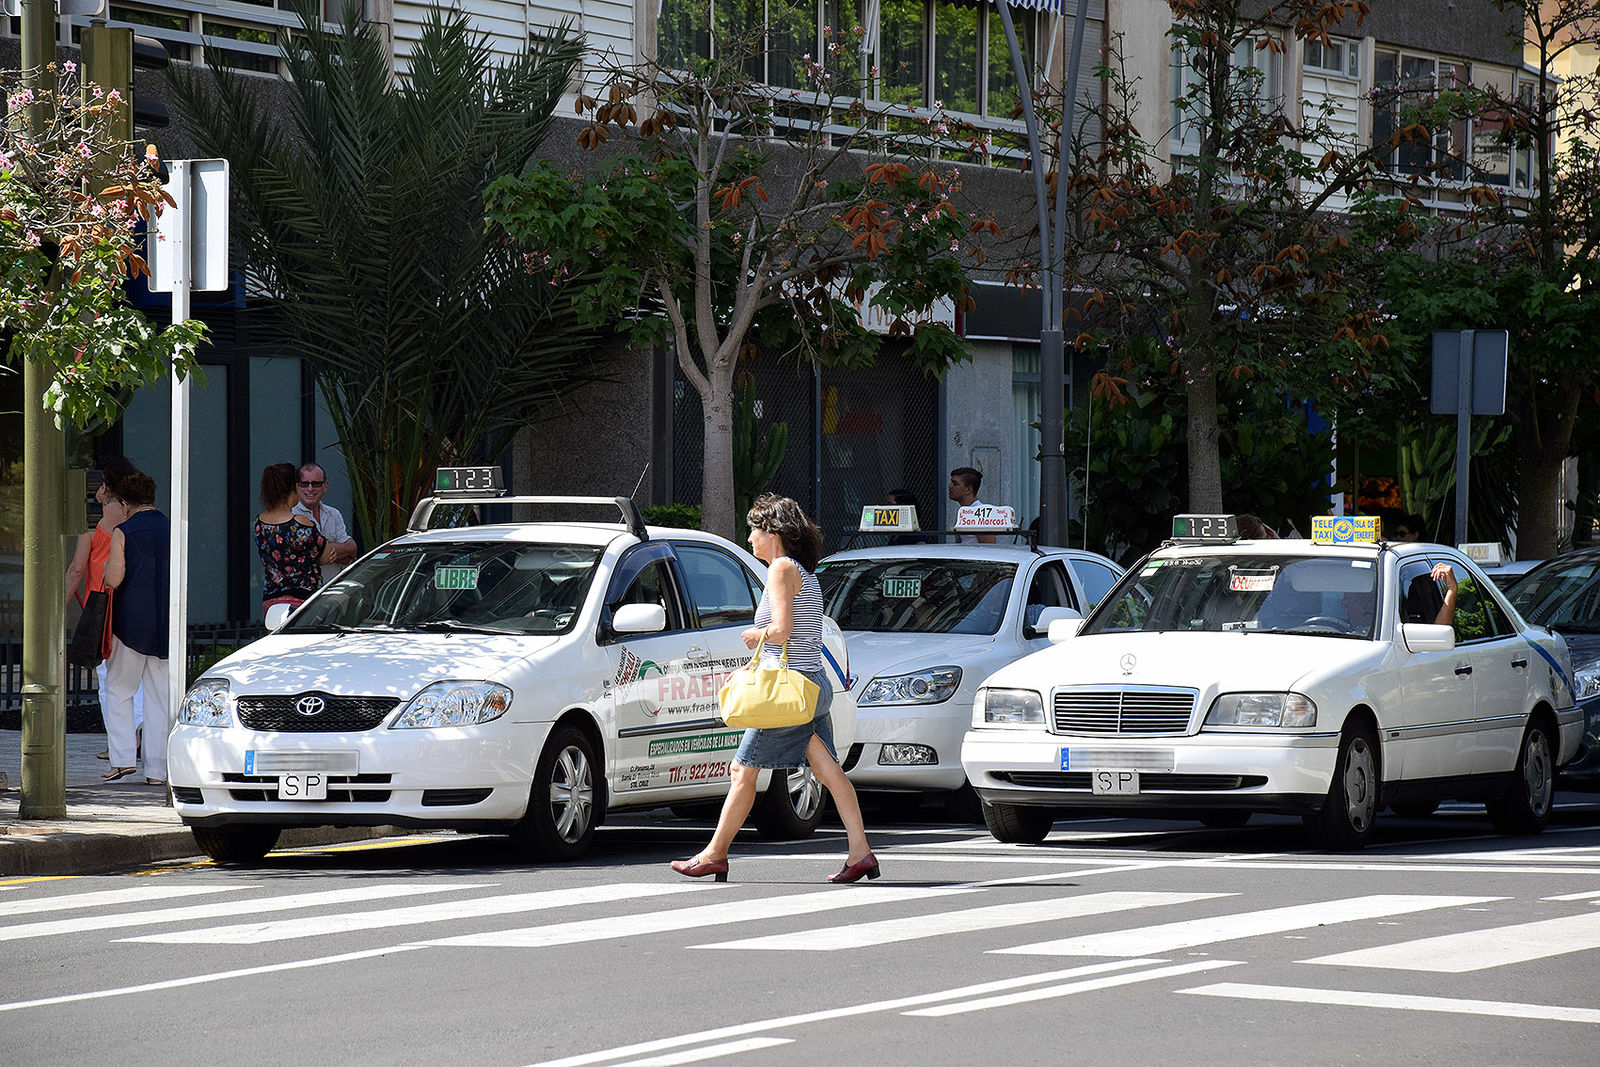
x,y
1344,529
889,518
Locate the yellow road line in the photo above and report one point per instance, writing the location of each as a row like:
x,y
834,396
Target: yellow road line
x,y
39,878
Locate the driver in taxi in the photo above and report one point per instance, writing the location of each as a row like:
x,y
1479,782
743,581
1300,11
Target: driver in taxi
x,y
1358,606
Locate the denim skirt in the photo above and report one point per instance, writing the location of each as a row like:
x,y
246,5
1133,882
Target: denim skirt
x,y
785,746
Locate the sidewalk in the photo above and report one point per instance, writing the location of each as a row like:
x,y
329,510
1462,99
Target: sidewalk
x,y
108,824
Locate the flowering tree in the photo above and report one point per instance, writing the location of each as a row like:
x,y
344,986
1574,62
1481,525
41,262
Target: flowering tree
x,y
707,232
71,199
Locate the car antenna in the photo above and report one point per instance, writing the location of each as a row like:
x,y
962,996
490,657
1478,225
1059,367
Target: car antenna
x,y
641,479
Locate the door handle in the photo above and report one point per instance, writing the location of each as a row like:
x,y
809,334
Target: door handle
x,y
1464,669
696,652
1520,663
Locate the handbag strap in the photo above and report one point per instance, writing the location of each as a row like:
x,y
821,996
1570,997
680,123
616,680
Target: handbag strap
x,y
783,655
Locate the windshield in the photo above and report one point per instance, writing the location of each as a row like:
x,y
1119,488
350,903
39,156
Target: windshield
x,y
930,596
1271,594
472,587
1564,596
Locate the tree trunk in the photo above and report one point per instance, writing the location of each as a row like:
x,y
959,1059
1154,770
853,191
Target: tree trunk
x,y
1544,439
1205,461
716,481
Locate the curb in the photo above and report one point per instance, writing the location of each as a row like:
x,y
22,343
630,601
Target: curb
x,y
67,852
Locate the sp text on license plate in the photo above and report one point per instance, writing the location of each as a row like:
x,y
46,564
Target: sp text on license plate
x,y
308,785
1114,782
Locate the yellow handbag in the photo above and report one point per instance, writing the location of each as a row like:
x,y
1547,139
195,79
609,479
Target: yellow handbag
x,y
768,697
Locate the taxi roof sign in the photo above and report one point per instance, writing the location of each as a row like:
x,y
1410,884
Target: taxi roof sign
x,y
889,518
1215,528
989,518
1483,553
1344,529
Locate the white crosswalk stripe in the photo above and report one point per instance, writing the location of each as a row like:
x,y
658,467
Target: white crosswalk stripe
x,y
992,917
257,905
1478,950
1170,937
317,926
692,918
109,897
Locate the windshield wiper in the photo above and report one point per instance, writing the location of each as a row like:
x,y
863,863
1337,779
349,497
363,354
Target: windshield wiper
x,y
1313,633
450,626
337,628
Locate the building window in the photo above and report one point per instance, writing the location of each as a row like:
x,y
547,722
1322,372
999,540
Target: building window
x,y
1338,56
1257,84
1405,84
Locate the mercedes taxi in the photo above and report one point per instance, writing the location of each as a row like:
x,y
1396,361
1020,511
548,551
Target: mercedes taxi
x,y
1328,678
925,623
524,678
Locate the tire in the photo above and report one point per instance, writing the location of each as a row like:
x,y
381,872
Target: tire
x,y
1017,825
1345,822
1415,809
791,808
235,844
561,818
1525,808
1225,820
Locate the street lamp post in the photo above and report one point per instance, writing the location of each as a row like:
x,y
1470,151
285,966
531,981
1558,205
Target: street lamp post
x,y
1052,251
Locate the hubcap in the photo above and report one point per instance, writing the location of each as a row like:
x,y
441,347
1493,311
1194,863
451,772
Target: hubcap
x,y
805,792
1538,773
571,794
1360,785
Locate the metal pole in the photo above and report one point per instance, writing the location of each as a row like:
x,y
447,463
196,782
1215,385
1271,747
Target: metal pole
x,y
178,569
44,713
1463,431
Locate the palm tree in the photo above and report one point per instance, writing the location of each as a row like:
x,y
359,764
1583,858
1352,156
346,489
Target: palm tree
x,y
362,216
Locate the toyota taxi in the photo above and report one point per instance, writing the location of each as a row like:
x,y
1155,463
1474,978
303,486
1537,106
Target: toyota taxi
x,y
523,678
1321,677
925,623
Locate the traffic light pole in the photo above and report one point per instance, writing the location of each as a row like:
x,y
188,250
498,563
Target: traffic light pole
x,y
44,716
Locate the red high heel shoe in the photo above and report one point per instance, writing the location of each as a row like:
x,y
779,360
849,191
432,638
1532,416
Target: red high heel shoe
x,y
865,867
695,868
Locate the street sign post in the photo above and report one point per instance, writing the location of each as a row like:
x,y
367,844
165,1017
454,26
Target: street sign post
x,y
1469,378
188,251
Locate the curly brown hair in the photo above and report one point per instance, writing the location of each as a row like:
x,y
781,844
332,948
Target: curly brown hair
x,y
802,538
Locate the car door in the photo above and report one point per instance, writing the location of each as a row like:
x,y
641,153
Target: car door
x,y
1429,735
663,687
1094,581
1502,672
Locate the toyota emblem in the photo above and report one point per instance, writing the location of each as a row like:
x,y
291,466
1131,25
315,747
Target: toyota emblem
x,y
309,706
1128,662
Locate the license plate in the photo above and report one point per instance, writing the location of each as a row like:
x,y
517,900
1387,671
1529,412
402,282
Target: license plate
x,y
1115,783
309,786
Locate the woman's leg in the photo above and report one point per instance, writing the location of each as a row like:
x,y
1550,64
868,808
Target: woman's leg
x,y
830,774
735,809
124,670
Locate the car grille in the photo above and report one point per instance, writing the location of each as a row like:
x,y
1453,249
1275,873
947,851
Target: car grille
x,y
1124,712
1181,783
336,715
342,788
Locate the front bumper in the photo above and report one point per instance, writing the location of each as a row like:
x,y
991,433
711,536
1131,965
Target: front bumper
x,y
941,727
461,778
1209,771
1583,771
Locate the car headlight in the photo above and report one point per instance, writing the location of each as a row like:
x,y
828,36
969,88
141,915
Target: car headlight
x,y
1262,709
454,704
932,686
1008,707
208,703
1586,681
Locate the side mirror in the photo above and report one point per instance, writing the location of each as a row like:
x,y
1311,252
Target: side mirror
x,y
277,615
639,619
1062,629
1426,637
1048,617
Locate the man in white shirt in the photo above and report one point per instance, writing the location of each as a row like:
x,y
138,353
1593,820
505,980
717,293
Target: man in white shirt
x,y
964,483
326,517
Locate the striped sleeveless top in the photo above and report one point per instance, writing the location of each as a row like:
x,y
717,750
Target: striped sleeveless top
x,y
805,643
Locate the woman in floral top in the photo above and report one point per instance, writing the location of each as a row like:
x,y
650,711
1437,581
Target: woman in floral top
x,y
289,544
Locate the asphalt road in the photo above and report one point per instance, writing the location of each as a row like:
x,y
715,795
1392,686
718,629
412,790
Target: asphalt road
x,y
1115,941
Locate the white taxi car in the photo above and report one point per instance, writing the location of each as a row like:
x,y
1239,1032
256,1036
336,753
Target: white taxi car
x,y
1223,677
925,624
523,678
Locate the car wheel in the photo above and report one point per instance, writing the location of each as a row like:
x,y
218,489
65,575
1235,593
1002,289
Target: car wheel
x,y
791,808
560,821
1018,825
1415,809
1345,821
1525,808
235,844
1225,820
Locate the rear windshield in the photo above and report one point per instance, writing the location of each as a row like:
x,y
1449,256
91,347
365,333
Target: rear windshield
x,y
932,596
471,587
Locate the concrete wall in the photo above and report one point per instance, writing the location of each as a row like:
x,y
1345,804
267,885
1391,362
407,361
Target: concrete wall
x,y
977,430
